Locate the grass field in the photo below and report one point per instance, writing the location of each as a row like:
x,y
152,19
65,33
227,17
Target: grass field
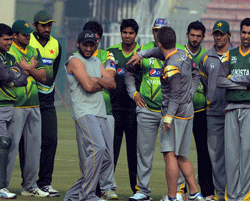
x,y
67,169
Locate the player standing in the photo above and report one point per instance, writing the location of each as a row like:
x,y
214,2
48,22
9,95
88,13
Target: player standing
x,y
234,76
107,184
215,97
87,76
50,50
8,79
148,101
123,107
27,112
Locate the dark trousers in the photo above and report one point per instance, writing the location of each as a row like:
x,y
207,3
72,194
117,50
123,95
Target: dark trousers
x,y
48,147
125,121
204,163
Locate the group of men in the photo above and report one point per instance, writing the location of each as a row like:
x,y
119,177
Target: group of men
x,y
177,89
29,61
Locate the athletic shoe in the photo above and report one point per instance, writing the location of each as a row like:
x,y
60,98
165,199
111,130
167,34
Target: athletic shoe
x,y
179,196
210,199
109,195
35,192
196,197
6,194
101,200
139,196
52,192
165,198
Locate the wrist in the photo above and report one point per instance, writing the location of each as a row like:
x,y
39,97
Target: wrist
x,y
168,119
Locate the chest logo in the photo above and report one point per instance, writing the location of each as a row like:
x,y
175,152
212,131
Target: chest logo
x,y
120,71
151,61
154,72
234,60
212,65
52,51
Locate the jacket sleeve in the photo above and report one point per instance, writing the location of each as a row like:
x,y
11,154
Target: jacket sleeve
x,y
223,81
154,52
21,80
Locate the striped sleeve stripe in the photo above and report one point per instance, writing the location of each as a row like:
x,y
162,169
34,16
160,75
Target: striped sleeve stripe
x,y
169,71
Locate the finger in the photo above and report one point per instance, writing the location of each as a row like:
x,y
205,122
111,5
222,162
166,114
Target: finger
x,y
22,58
130,61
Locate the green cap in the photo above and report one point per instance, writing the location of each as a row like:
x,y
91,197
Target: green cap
x,y
221,26
22,26
43,17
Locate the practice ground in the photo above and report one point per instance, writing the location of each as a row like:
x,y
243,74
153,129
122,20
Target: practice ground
x,y
67,169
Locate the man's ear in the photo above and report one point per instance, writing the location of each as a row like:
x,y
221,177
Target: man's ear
x,y
78,44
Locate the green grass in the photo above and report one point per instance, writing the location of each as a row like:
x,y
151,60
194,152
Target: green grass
x,y
67,171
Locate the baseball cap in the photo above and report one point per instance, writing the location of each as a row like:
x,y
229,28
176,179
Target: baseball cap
x,y
221,26
43,17
86,36
22,26
161,22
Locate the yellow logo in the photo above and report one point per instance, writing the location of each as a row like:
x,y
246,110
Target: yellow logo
x,y
219,24
27,25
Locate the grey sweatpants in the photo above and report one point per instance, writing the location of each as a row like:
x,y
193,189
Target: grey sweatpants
x,y
95,152
6,121
237,153
27,122
147,130
216,149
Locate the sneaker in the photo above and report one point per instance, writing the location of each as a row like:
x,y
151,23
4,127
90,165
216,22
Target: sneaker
x,y
6,194
139,196
196,197
52,192
109,195
179,196
210,199
165,198
35,192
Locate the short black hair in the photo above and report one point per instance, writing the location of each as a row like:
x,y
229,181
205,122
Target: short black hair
x,y
245,22
5,29
167,37
197,25
94,26
129,23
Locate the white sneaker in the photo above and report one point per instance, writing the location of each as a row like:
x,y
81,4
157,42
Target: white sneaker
x,y
179,197
109,195
35,192
139,196
196,197
6,194
165,198
210,199
52,192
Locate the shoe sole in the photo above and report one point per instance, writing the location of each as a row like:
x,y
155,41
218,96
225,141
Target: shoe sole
x,y
132,199
54,195
5,198
29,194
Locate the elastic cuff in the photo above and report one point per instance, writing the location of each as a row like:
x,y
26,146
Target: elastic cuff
x,y
134,95
228,76
168,119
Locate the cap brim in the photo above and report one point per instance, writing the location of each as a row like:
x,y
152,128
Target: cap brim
x,y
27,31
46,21
218,30
88,40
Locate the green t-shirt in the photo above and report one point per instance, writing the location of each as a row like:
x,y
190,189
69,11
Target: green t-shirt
x,y
119,97
27,96
7,94
199,97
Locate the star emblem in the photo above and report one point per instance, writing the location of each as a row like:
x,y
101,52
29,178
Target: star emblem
x,y
27,25
52,51
219,24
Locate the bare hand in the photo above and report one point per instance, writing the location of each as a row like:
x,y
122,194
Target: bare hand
x,y
134,60
139,100
95,79
34,62
24,64
165,126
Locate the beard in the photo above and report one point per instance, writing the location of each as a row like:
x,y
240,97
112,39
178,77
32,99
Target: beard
x,y
83,55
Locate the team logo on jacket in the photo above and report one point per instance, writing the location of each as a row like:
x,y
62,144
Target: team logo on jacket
x,y
154,72
112,65
234,60
120,71
212,65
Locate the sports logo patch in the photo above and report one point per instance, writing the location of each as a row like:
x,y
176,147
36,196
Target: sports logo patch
x,y
154,72
234,60
87,35
120,71
212,65
160,21
47,62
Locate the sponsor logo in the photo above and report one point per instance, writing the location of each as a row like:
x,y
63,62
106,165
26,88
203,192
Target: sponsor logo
x,y
151,61
120,71
160,21
212,65
87,35
47,62
158,82
112,64
234,60
154,72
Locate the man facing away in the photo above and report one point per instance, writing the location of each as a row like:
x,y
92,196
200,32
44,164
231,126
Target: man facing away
x,y
215,98
87,77
11,76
